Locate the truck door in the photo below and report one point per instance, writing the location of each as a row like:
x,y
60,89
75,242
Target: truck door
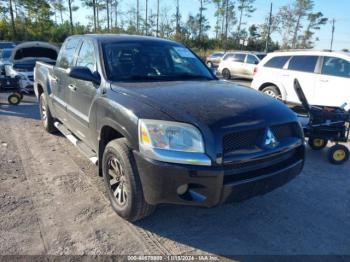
x,y
81,93
58,78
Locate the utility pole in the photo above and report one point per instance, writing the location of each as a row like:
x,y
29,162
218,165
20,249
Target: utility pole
x,y
137,15
146,26
268,30
333,29
177,17
226,25
157,18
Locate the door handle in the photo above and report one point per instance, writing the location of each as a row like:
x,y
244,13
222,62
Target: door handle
x,y
72,87
324,80
285,75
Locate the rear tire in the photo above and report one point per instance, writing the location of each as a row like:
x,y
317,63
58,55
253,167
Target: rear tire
x,y
317,143
272,91
45,114
226,74
123,183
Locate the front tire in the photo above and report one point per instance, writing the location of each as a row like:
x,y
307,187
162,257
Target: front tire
x,y
272,91
123,183
14,99
45,114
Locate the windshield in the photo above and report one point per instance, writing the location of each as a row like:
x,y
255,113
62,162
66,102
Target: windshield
x,y
139,61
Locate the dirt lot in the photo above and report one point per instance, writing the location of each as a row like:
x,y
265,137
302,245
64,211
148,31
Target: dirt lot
x,y
53,202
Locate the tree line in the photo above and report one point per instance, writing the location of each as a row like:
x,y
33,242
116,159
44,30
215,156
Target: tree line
x,y
54,20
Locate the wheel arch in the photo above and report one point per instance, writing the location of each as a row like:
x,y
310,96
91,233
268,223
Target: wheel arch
x,y
109,131
279,87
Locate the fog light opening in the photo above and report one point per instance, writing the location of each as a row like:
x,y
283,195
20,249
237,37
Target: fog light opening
x,y
181,190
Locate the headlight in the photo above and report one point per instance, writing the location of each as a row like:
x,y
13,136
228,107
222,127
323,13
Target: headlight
x,y
170,136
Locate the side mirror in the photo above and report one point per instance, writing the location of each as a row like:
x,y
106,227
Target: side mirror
x,y
256,62
84,73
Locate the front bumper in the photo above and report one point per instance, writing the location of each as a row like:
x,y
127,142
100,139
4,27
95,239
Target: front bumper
x,y
209,186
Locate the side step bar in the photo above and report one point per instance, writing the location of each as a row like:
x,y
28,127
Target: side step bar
x,y
83,148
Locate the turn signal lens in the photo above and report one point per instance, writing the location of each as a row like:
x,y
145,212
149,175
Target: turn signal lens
x,y
144,136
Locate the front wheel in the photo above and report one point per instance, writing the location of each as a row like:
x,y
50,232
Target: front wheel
x,y
272,91
338,154
123,183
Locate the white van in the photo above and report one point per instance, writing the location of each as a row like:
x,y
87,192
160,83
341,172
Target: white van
x,y
324,76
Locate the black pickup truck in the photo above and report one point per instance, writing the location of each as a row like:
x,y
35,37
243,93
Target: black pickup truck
x,y
162,128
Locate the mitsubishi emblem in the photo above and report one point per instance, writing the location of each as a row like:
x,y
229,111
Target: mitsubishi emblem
x,y
270,139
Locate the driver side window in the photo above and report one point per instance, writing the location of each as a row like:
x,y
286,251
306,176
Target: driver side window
x,y
86,57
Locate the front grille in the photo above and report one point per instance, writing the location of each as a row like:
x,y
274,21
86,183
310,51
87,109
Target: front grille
x,y
241,140
249,139
254,169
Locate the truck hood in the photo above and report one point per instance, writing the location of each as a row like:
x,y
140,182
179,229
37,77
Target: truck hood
x,y
32,50
219,105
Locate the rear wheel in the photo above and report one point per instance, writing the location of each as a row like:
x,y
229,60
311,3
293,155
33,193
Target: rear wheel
x,y
338,154
226,74
14,99
272,91
45,114
317,143
123,183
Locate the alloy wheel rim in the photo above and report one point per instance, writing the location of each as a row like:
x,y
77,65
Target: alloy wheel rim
x,y
272,94
117,181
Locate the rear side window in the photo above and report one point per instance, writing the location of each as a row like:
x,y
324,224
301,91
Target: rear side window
x,y
335,67
228,56
252,60
277,61
303,63
239,57
66,56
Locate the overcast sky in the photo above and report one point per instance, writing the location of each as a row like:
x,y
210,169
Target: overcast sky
x,y
337,9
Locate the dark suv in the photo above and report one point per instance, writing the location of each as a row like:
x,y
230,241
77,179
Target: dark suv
x,y
162,128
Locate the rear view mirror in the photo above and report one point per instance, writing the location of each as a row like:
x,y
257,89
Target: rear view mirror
x,y
84,73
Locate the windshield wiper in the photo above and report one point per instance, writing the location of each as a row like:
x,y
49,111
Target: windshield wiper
x,y
192,76
141,77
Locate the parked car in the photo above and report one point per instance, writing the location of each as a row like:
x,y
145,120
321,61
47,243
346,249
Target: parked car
x,y
23,59
239,64
5,45
324,76
4,59
214,59
139,108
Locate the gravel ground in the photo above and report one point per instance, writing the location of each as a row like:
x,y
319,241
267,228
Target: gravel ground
x,y
53,202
